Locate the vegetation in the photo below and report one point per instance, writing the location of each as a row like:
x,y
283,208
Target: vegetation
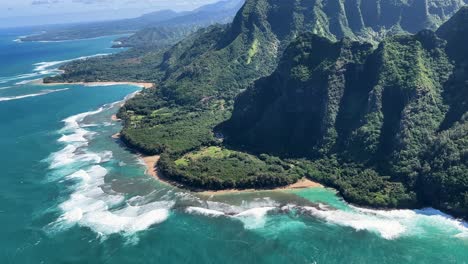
x,y
384,124
360,114
160,127
218,168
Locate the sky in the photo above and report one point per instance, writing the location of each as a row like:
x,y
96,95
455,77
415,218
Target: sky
x,y
37,12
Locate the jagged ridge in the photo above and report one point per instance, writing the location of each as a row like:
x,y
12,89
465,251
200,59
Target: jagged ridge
x,y
399,109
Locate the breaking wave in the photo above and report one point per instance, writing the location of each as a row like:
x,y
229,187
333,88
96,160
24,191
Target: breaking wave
x,y
89,204
388,224
42,69
43,92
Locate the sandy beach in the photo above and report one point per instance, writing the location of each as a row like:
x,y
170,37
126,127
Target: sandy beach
x,y
115,118
301,184
151,162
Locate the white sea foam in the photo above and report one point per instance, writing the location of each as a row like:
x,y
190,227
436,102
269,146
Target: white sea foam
x,y
105,212
18,77
387,228
392,224
42,66
27,81
254,218
43,92
203,211
89,206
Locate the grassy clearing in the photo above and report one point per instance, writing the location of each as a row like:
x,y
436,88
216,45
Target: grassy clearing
x,y
252,51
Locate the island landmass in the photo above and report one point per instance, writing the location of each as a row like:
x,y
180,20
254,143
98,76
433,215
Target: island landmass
x,y
378,114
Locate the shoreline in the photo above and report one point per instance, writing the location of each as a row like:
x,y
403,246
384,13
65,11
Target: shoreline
x,y
303,183
144,85
151,161
152,170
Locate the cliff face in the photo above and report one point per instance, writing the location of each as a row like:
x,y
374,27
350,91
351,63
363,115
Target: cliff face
x,y
222,61
400,108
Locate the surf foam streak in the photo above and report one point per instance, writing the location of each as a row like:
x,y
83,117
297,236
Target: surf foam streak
x,y
254,218
203,211
392,224
18,77
44,92
253,213
388,224
89,205
42,66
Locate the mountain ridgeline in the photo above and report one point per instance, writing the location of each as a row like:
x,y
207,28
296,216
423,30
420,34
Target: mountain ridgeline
x,y
222,60
400,109
160,28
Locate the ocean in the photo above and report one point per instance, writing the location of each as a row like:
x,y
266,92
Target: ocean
x,y
73,194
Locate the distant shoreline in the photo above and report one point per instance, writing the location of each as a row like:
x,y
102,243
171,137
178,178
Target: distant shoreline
x,y
145,85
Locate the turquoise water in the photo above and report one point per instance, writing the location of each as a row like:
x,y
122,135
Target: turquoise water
x,y
72,194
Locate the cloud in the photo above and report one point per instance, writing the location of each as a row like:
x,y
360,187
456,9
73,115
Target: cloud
x,y
45,2
89,2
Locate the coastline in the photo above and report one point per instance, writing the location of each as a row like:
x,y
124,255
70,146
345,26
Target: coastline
x,y
151,161
152,170
303,183
145,85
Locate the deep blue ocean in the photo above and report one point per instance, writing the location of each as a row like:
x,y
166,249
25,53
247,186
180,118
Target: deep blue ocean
x,y
70,193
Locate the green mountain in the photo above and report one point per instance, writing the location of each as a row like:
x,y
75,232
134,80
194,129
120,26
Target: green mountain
x,y
170,31
155,26
221,61
366,119
399,109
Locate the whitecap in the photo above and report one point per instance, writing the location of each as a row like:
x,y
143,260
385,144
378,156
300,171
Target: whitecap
x,y
42,66
43,92
254,218
104,212
203,211
27,81
387,228
89,206
18,77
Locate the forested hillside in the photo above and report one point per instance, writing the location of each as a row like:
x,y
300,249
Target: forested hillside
x,y
223,60
371,118
399,109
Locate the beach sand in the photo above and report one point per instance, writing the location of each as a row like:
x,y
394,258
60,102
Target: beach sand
x,y
303,183
151,162
115,118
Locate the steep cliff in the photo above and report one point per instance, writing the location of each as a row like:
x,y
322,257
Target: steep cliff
x,y
399,109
